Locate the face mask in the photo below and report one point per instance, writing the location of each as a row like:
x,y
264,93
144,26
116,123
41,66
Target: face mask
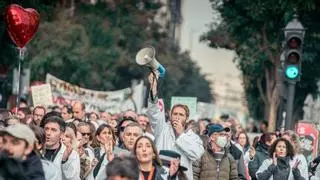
x,y
222,141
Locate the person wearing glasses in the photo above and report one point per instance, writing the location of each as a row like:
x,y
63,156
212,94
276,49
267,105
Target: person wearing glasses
x,y
85,130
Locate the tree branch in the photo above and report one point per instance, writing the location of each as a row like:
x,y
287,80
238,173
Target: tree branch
x,y
262,95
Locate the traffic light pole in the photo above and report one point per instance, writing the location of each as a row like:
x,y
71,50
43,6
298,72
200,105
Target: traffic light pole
x,y
289,111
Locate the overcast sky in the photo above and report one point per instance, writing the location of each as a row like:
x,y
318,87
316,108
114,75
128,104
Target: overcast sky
x,y
196,15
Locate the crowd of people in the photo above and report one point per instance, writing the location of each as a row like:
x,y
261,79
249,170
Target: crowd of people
x,y
68,143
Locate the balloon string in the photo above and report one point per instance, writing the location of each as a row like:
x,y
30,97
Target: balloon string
x,y
21,54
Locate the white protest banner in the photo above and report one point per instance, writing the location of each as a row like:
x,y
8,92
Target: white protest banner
x,y
191,102
110,101
41,95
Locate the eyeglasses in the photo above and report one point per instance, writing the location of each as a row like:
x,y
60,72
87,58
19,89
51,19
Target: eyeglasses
x,y
85,134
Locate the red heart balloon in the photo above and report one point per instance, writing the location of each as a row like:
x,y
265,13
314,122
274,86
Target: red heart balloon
x,y
22,24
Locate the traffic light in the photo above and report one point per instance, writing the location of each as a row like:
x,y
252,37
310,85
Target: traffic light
x,y
294,34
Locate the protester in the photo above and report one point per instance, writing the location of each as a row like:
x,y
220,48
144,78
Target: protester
x,y
38,113
144,122
294,140
123,168
149,163
105,116
78,109
235,149
243,141
280,165
62,156
87,135
104,151
51,171
216,162
11,168
93,116
172,135
263,126
67,113
18,142
261,153
120,130
104,134
131,133
22,112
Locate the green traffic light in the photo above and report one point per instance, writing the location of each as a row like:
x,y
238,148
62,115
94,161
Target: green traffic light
x,y
292,72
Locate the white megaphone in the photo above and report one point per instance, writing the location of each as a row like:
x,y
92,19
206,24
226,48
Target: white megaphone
x,y
146,57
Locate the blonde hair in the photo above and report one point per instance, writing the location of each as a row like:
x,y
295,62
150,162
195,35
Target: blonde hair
x,y
72,137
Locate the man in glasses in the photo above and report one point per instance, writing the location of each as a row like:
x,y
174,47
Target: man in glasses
x,y
85,131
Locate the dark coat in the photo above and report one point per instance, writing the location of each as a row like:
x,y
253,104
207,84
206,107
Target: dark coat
x,y
261,155
238,156
33,167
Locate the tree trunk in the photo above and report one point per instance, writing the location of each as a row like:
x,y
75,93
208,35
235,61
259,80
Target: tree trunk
x,y
273,110
266,111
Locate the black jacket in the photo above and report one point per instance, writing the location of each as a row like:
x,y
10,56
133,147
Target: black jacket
x,y
261,155
33,167
10,168
238,156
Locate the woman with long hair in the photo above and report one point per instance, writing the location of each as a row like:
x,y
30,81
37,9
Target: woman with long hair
x,y
281,164
104,151
243,141
149,162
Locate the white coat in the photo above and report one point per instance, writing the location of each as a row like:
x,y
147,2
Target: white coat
x,y
70,170
188,144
